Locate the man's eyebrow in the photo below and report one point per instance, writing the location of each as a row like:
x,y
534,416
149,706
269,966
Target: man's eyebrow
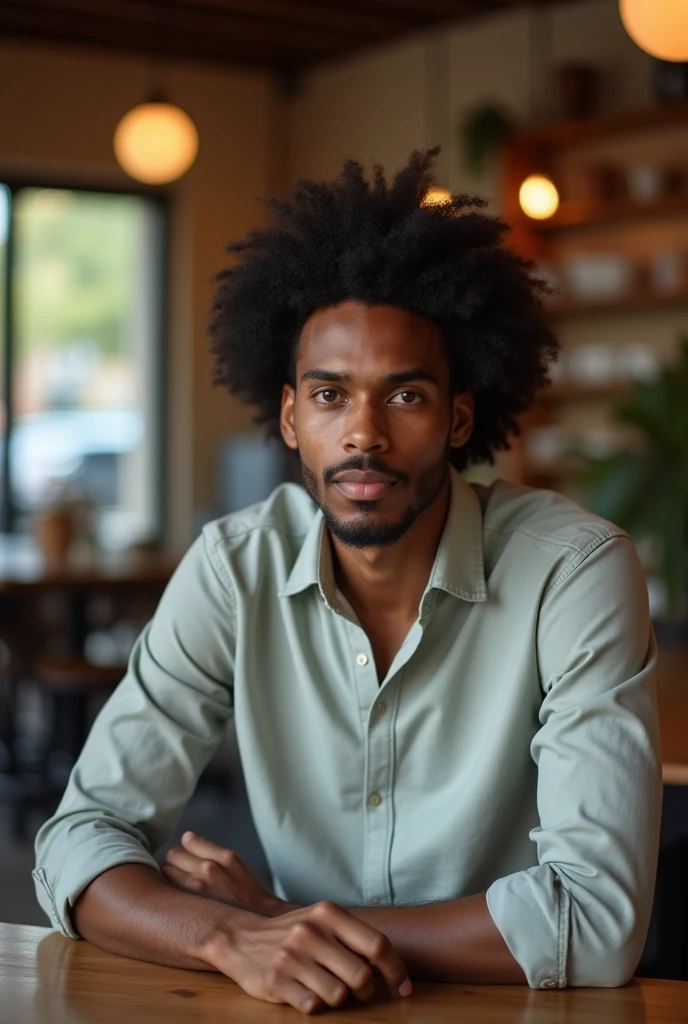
x,y
401,377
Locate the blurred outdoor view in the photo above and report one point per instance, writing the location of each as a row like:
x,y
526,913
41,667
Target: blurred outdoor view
x,y
84,282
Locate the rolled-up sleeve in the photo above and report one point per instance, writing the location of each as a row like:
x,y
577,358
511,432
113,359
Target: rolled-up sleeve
x,y
151,741
581,916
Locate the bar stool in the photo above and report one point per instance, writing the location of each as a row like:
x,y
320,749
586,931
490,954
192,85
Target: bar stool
x,y
70,684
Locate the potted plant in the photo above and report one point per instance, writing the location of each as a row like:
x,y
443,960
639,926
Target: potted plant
x,y
645,490
482,132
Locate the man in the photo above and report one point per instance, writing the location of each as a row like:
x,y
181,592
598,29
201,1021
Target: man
x,y
443,692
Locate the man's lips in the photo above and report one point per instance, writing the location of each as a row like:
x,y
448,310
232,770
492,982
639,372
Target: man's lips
x,y
364,487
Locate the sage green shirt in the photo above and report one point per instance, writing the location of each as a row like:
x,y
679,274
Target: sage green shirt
x,y
512,746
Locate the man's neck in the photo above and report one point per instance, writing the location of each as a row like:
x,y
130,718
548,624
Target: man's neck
x,y
390,581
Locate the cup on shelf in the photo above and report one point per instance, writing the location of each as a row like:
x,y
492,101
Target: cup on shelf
x,y
636,361
645,182
668,271
599,275
591,363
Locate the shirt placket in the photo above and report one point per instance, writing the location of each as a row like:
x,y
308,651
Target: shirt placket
x,y
378,709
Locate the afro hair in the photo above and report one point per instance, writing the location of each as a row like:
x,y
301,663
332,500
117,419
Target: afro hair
x,y
379,243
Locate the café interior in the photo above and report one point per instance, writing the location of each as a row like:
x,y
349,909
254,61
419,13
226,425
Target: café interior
x,y
136,141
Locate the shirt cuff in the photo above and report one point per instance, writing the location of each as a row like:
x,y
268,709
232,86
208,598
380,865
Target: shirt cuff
x,y
90,858
532,911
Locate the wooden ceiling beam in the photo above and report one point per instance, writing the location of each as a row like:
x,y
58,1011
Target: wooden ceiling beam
x,y
282,34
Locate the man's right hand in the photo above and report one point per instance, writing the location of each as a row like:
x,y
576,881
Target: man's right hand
x,y
308,958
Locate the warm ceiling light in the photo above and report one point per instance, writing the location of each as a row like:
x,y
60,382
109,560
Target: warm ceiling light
x,y
156,142
435,196
660,27
538,197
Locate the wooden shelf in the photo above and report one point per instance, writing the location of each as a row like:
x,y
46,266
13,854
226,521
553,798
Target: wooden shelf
x,y
537,474
568,133
632,303
574,391
595,213
552,148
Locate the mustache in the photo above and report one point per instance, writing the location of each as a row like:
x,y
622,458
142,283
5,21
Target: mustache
x,y
364,463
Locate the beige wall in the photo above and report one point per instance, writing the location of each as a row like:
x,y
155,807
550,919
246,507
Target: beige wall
x,y
59,105
58,110
379,105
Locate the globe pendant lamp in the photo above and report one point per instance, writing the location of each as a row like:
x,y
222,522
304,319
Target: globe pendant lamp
x,y
436,196
156,142
660,27
538,197
537,194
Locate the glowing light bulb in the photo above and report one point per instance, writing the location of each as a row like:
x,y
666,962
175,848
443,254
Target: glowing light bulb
x,y
435,196
538,197
156,143
660,27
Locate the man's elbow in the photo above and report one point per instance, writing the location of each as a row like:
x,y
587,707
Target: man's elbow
x,y
597,961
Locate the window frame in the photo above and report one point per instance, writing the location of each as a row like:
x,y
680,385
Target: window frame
x,y
160,200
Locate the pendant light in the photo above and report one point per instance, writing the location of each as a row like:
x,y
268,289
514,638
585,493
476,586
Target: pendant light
x,y
538,196
436,196
156,142
660,27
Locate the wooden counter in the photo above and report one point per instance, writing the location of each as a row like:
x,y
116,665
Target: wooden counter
x,y
47,979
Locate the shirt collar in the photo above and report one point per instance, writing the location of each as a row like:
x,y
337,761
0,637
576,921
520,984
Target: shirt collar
x,y
458,568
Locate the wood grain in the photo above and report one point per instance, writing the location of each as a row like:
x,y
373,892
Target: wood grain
x,y
47,979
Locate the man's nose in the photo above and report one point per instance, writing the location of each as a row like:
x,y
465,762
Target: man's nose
x,y
365,428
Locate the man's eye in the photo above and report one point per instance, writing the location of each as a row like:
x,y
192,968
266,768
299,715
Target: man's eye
x,y
326,397
408,397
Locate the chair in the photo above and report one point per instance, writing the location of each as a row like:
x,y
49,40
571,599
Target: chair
x,y
71,684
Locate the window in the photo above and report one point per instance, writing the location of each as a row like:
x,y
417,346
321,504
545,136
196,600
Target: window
x,y
81,377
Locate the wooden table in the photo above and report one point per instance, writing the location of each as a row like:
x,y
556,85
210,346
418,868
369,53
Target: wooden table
x,y
25,577
47,979
672,695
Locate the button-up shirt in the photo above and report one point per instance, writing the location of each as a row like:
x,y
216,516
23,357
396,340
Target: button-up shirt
x,y
511,747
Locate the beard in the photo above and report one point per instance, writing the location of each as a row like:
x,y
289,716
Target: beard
x,y
363,531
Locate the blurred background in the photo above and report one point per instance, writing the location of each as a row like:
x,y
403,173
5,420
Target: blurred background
x,y
135,141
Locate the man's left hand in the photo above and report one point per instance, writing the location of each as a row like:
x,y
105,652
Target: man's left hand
x,y
207,869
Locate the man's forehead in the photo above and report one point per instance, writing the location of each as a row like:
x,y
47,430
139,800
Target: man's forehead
x,y
353,332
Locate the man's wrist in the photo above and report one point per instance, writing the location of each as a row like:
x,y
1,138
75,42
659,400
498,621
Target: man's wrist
x,y
216,945
275,907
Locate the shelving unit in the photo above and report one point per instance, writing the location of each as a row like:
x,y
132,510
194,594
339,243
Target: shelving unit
x,y
587,223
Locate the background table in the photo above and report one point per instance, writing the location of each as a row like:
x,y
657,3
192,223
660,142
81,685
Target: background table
x,y
672,698
47,979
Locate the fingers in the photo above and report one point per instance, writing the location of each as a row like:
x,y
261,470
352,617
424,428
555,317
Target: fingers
x,y
178,878
368,942
329,989
182,860
354,972
203,848
288,990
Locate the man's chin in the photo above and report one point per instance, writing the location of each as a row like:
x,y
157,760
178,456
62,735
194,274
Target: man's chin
x,y
365,529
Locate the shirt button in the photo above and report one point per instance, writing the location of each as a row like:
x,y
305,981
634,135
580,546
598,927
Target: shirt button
x,y
375,799
549,984
361,659
381,707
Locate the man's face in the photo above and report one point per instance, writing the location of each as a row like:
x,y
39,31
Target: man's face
x,y
373,419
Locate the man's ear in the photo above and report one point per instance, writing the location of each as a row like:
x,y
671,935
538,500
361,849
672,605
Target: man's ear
x,y
287,417
463,410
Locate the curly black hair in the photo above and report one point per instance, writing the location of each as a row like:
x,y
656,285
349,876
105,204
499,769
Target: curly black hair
x,y
379,243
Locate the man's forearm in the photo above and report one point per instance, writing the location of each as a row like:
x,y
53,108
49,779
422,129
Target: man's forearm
x,y
133,911
454,940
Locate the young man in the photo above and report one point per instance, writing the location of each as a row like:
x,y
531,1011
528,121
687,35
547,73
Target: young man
x,y
443,692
